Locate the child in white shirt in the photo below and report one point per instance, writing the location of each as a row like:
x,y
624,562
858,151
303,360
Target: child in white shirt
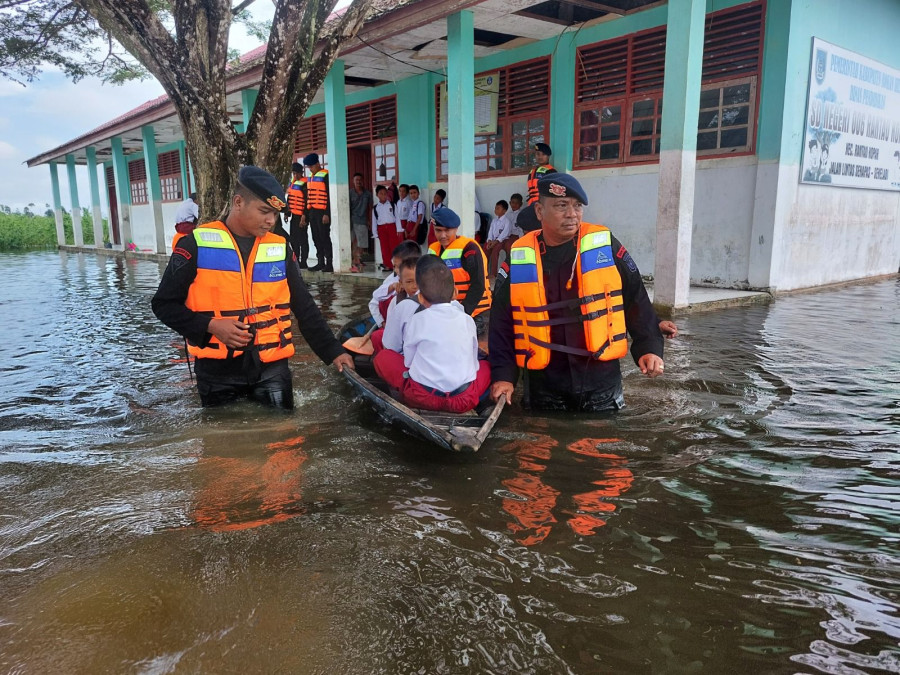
x,y
500,231
439,367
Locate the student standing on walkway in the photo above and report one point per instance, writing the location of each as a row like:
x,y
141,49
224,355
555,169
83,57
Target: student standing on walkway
x,y
230,288
318,212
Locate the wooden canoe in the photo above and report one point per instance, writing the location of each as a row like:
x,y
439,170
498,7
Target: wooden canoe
x,y
455,432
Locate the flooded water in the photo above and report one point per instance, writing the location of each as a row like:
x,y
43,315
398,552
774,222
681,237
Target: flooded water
x,y
741,515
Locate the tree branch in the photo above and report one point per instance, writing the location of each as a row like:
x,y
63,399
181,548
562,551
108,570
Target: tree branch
x,y
240,7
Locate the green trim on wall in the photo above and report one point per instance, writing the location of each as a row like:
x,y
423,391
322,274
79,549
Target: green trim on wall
x,y
684,65
151,162
91,154
120,169
460,94
336,124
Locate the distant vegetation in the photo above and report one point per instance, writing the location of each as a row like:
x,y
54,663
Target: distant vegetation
x,y
28,229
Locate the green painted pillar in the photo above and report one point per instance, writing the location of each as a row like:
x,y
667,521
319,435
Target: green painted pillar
x,y
57,206
678,152
461,118
96,217
182,159
123,189
336,134
76,204
413,132
562,103
248,102
154,189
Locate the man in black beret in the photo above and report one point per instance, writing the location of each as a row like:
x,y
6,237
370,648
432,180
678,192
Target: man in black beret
x,y
543,167
318,212
562,307
229,290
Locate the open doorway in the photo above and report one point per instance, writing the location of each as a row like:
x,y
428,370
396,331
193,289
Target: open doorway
x,y
359,160
113,206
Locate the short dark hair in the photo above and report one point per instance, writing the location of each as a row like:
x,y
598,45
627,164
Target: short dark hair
x,y
516,195
405,249
824,147
410,261
379,188
404,185
414,187
357,174
441,193
813,143
193,196
434,279
504,204
241,190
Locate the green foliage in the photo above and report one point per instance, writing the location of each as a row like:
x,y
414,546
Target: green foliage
x,y
19,231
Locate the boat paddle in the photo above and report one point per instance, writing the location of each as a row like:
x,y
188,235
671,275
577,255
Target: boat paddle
x,y
361,345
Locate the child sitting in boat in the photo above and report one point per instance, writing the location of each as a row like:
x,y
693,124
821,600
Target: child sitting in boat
x,y
395,319
383,294
439,367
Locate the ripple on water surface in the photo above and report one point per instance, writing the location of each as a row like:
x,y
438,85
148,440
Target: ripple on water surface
x,y
741,515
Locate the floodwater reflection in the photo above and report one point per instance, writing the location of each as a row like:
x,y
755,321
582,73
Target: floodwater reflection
x,y
740,515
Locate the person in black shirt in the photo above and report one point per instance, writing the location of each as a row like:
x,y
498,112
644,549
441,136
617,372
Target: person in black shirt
x,y
573,379
247,371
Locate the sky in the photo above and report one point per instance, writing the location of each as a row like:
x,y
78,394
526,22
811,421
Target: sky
x,y
52,110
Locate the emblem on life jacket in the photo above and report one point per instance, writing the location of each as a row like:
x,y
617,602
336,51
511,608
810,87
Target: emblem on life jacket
x,y
275,272
275,202
557,190
273,251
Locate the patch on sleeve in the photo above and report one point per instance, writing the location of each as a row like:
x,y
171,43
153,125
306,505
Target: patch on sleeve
x,y
179,258
180,251
469,253
621,252
628,260
504,270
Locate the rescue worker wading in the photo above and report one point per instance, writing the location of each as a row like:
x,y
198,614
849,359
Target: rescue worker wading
x,y
562,308
467,262
229,290
318,212
542,157
296,216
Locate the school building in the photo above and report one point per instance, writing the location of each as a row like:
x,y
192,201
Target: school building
x,y
699,128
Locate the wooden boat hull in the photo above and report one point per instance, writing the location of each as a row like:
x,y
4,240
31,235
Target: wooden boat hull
x,y
455,432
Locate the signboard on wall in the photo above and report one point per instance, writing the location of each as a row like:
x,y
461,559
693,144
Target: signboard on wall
x,y
487,96
852,128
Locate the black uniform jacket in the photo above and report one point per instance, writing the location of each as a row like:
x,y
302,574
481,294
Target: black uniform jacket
x,y
168,303
567,373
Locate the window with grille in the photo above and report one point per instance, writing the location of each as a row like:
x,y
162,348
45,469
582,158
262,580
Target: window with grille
x,y
137,176
369,122
619,91
311,137
169,166
523,119
385,152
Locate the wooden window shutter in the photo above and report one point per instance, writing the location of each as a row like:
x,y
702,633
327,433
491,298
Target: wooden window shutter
x,y
169,163
526,88
602,70
732,43
137,171
648,61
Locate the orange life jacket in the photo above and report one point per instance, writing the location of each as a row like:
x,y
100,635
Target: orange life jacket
x,y
452,257
258,295
317,191
599,297
297,196
534,176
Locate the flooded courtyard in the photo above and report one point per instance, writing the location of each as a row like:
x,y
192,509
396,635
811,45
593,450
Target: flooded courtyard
x,y
742,514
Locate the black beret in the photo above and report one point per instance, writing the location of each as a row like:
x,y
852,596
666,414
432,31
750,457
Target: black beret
x,y
527,219
543,147
297,167
561,185
445,218
311,159
263,184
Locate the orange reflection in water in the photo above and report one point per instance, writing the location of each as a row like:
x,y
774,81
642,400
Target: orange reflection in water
x,y
533,506
242,493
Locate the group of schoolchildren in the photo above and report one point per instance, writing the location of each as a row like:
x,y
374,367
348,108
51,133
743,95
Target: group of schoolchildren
x,y
427,350
401,216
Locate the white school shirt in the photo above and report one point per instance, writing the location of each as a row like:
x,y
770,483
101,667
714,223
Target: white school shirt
x,y
440,347
384,213
381,293
398,315
403,207
500,228
513,217
187,211
416,208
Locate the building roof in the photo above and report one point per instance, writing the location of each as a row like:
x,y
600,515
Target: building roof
x,y
401,38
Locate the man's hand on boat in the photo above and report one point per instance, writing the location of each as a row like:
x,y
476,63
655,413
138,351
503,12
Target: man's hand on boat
x,y
501,388
343,361
231,332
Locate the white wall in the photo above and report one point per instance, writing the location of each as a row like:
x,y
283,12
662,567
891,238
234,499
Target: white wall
x,y
625,200
143,229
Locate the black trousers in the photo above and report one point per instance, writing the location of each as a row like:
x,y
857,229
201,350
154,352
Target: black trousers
x,y
599,400
224,381
299,238
321,234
